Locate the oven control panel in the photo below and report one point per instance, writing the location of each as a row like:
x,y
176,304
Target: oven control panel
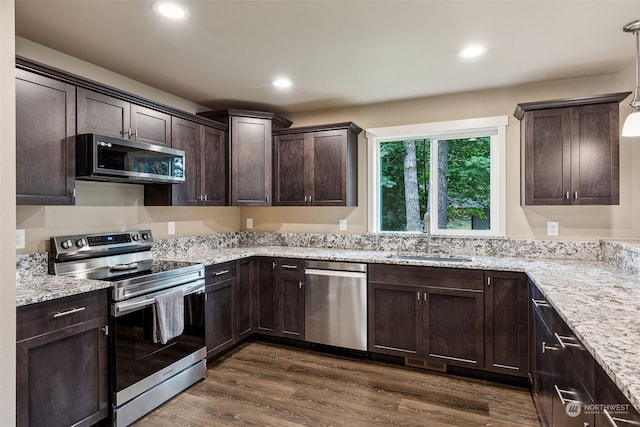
x,y
86,244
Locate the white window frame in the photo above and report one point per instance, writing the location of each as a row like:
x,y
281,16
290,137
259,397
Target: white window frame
x,y
495,126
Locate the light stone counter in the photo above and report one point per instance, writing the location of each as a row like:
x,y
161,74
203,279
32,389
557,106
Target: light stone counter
x,y
45,287
599,301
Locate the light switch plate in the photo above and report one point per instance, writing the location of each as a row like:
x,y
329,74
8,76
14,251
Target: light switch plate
x,y
552,228
171,227
342,225
249,223
20,239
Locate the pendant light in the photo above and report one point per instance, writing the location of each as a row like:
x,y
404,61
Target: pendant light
x,y
632,123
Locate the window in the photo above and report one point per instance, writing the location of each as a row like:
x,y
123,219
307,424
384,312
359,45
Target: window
x,y
453,170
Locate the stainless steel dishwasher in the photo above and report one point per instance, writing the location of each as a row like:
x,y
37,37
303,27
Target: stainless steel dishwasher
x,y
336,304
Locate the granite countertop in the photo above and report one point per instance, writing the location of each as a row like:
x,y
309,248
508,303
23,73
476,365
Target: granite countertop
x,y
46,287
599,302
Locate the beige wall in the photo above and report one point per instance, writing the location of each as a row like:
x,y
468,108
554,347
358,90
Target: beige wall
x,y
7,215
576,222
106,206
103,206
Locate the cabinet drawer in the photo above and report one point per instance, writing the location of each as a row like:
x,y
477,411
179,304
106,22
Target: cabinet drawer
x,y
290,267
427,276
619,412
549,315
40,318
220,272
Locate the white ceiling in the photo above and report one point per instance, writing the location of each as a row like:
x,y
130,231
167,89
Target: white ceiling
x,y
338,53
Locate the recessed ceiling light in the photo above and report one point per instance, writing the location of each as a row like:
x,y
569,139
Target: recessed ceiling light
x,y
171,10
472,51
282,83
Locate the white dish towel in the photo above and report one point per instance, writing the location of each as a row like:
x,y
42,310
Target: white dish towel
x,y
168,316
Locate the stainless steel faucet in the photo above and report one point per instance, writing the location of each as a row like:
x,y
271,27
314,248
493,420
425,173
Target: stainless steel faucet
x,y
426,228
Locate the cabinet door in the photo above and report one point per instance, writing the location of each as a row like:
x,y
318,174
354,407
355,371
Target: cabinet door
x,y
103,114
250,161
506,323
45,149
395,320
619,412
214,171
62,376
454,326
150,126
244,299
595,155
548,156
267,296
290,187
186,136
327,171
544,377
291,290
219,327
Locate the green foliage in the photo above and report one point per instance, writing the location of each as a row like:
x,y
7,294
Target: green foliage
x,y
392,197
468,180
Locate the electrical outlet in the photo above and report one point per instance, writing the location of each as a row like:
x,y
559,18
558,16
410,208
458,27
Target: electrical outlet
x,y
552,228
20,239
342,225
171,227
249,223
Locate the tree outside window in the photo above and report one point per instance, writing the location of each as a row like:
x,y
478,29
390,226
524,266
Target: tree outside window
x,y
461,186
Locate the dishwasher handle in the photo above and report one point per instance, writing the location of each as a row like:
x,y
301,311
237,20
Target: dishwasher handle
x,y
335,273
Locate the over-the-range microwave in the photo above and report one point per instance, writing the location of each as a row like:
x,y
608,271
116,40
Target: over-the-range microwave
x,y
106,158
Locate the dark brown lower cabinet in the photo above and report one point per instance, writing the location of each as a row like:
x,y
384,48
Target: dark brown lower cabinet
x,y
61,361
291,290
220,333
453,327
280,286
395,319
423,313
506,322
245,299
613,407
265,285
563,370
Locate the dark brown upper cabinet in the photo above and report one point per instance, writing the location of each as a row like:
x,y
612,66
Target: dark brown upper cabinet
x,y
316,166
107,115
251,153
205,168
45,149
570,150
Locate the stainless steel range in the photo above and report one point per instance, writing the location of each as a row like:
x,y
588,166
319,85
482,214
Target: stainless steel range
x,y
144,372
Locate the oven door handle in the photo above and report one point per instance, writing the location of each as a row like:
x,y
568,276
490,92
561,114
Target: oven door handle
x,y
124,307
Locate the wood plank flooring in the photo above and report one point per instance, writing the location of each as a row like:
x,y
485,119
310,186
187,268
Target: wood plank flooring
x,y
270,385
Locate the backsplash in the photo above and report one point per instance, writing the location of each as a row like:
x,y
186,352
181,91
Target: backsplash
x,y
623,254
395,242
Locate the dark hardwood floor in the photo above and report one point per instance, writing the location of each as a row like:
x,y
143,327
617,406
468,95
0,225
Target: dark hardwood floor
x,y
269,385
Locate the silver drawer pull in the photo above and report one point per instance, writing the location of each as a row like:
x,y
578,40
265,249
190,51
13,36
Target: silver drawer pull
x,y
562,342
221,272
68,312
561,395
546,347
290,267
540,303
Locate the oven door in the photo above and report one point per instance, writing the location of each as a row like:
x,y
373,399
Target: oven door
x,y
138,362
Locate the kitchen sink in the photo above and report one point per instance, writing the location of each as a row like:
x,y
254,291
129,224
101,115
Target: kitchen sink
x,y
443,258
